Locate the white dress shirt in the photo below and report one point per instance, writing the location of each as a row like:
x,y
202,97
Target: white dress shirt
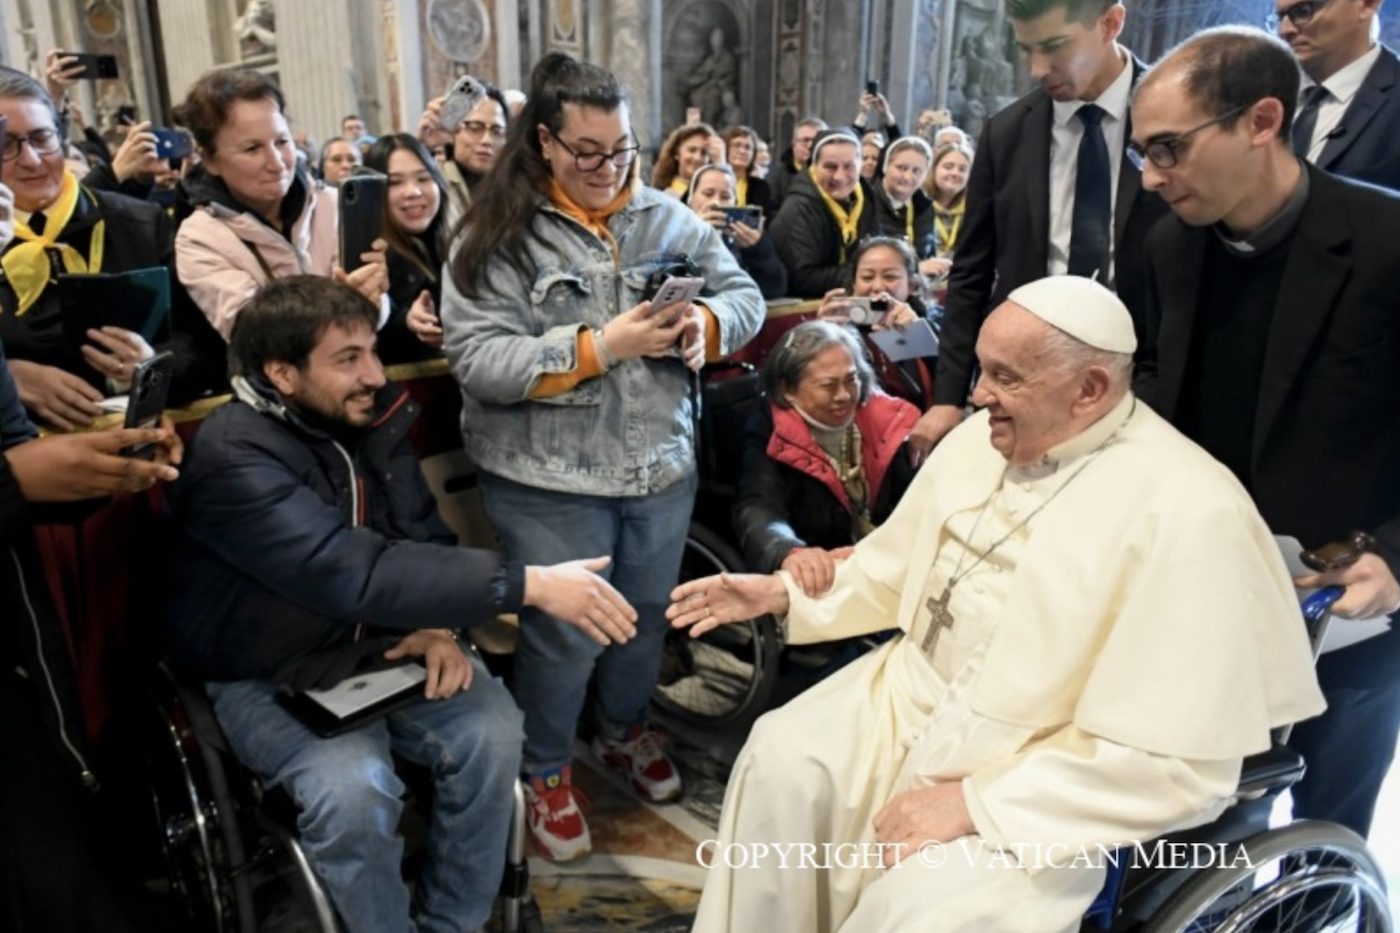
x,y
1065,133
1341,88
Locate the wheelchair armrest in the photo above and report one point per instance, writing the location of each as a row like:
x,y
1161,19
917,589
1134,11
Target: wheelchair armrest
x,y
1273,770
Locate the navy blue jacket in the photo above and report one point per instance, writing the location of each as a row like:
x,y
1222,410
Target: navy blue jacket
x,y
292,534
1366,144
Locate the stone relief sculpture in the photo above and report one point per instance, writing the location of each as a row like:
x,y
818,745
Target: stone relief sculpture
x,y
256,29
984,77
461,29
713,85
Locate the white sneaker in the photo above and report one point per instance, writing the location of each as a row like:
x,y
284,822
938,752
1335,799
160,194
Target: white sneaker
x,y
642,760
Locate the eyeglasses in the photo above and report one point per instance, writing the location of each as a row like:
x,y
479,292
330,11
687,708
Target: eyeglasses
x,y
592,161
1164,153
1300,13
476,129
43,142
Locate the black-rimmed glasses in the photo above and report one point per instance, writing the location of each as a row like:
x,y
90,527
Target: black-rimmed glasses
x,y
592,161
1300,13
43,142
1164,153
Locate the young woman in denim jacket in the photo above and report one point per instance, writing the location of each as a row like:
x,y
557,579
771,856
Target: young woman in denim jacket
x,y
576,408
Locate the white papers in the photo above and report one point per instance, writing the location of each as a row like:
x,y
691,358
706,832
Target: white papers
x,y
116,403
1340,632
361,690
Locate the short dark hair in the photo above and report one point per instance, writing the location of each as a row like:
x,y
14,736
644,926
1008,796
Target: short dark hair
x,y
1232,67
286,318
1076,11
15,84
206,106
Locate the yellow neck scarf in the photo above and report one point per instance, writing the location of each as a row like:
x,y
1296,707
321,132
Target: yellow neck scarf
x,y
741,190
948,232
678,186
847,221
595,222
26,264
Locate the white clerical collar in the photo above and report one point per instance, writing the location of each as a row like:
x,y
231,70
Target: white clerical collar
x,y
1345,83
1114,99
1094,436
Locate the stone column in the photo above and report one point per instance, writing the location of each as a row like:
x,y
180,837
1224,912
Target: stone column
x,y
634,55
187,32
330,64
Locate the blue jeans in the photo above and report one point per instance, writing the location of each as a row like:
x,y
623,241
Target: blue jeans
x,y
645,537
348,798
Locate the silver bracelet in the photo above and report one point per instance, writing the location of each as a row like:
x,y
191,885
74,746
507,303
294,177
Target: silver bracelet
x,y
600,344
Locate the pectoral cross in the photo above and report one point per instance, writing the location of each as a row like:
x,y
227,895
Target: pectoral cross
x,y
939,618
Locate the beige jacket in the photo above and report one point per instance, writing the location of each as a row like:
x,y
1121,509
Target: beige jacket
x,y
223,255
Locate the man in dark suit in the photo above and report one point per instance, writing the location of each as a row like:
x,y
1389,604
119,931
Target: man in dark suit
x,y
1349,110
1274,343
1050,191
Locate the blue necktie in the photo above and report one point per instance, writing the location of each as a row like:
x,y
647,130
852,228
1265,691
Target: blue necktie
x,y
1093,201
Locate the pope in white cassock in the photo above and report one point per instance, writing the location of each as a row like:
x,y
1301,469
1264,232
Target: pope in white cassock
x,y
1097,628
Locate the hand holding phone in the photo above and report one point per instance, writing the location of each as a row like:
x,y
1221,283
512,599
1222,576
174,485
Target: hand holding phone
x,y
150,390
171,144
361,198
674,294
94,67
462,97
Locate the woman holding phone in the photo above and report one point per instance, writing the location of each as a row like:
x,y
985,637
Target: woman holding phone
x,y
576,408
416,226
712,197
254,215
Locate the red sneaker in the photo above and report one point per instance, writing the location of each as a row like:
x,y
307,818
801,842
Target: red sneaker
x,y
555,820
641,758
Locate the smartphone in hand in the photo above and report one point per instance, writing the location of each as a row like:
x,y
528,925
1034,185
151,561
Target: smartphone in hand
x,y
150,390
95,67
361,215
171,144
673,294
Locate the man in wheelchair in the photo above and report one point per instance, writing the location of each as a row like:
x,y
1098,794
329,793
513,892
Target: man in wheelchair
x,y
1097,629
310,544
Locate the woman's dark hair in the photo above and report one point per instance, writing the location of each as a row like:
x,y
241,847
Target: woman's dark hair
x,y
917,286
493,93
497,224
206,105
668,160
285,319
783,369
422,250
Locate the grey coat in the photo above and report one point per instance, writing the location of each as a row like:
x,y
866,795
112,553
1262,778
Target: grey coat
x,y
628,432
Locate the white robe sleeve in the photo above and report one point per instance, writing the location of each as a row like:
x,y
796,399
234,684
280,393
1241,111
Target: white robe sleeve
x,y
1073,789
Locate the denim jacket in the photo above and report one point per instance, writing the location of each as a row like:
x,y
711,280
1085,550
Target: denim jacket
x,y
627,432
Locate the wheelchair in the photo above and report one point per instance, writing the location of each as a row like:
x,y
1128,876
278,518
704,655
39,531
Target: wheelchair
x,y
1304,877
229,844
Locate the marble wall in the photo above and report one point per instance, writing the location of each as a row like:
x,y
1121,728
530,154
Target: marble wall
x,y
767,63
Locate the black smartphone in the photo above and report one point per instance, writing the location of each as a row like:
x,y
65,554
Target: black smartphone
x,y
872,86
95,67
171,144
750,216
150,389
361,215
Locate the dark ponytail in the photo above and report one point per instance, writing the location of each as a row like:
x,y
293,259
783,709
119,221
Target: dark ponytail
x,y
497,223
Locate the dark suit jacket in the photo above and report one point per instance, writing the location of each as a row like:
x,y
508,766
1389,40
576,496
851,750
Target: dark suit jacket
x,y
1366,144
1326,447
1005,240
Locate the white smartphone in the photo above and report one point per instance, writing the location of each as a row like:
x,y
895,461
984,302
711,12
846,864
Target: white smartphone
x,y
676,291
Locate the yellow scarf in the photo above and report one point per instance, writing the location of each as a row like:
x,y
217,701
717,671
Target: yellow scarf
x,y
678,187
847,222
26,264
741,190
948,233
595,222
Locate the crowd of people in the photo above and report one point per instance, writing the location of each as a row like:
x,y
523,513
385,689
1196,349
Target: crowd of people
x,y
1163,277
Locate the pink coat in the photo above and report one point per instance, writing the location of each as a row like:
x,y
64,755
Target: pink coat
x,y
222,256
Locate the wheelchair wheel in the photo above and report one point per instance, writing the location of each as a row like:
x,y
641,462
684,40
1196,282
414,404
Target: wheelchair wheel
x,y
1307,877
726,675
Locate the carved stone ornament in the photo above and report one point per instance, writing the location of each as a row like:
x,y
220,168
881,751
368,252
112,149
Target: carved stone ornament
x,y
461,29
